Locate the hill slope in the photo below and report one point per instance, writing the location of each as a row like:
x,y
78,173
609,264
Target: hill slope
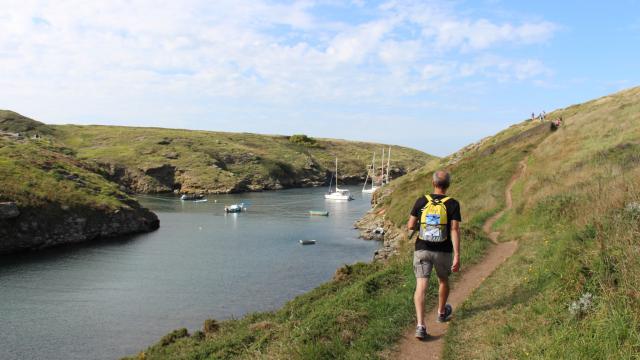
x,y
48,197
567,248
160,160
12,122
571,291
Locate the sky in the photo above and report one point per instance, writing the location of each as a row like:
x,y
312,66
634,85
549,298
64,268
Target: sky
x,y
432,75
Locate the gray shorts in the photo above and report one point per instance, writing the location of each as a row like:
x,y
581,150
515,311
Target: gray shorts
x,y
425,260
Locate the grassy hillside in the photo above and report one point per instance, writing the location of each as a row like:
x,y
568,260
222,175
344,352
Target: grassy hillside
x,y
571,291
34,173
575,214
13,122
153,159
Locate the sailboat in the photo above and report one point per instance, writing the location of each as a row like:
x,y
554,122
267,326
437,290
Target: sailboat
x,y
372,173
338,194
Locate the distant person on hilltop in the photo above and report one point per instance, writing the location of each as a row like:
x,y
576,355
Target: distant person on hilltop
x,y
533,116
437,217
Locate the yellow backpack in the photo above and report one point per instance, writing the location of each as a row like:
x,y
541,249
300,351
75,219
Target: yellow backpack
x,y
433,221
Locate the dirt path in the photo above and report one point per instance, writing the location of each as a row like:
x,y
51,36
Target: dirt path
x,y
411,348
488,225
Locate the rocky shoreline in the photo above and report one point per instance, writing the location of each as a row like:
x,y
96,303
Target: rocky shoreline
x,y
374,226
34,228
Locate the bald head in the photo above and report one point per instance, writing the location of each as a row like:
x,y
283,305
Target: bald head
x,y
441,179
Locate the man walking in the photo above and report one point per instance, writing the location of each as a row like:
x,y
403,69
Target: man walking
x,y
437,217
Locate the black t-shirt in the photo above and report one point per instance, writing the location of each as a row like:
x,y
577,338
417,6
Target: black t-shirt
x,y
453,213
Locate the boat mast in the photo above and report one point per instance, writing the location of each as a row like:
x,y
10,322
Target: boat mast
x,y
336,174
366,179
373,169
382,171
369,172
388,163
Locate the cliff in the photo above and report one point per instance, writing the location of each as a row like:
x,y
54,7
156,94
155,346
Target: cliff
x,y
48,198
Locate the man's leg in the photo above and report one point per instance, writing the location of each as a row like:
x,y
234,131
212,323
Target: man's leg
x,y
418,298
443,294
443,263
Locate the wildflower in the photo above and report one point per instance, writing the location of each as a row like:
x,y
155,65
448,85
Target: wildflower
x,y
582,305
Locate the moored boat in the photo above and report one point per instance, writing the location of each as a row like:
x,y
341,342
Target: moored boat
x,y
191,197
338,194
235,208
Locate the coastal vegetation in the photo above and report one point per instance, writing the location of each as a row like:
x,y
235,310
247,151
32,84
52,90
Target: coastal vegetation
x,y
148,160
55,198
570,290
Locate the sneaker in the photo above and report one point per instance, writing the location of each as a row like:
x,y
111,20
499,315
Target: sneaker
x,y
447,314
421,332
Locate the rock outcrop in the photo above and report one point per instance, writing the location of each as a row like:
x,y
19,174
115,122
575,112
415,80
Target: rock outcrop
x,y
8,210
40,227
170,178
374,226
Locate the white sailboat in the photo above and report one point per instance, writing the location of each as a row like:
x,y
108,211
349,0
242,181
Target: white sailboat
x,y
371,171
338,194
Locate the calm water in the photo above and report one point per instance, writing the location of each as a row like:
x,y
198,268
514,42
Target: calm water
x,y
110,299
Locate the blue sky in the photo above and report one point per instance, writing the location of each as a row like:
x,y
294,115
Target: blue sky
x,y
433,75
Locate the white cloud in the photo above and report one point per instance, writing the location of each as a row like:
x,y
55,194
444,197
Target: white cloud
x,y
197,53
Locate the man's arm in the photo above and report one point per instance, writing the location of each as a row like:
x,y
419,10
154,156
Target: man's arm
x,y
412,224
455,238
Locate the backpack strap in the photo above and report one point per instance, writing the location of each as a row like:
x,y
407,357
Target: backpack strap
x,y
432,200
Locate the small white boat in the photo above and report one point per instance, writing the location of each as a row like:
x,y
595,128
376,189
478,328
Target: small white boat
x,y
370,190
191,197
201,200
338,194
235,208
307,242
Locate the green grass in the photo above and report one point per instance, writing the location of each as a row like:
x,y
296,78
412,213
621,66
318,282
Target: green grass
x,y
38,172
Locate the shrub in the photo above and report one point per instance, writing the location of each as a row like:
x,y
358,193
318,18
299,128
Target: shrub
x,y
302,139
342,273
198,335
210,326
371,286
173,336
